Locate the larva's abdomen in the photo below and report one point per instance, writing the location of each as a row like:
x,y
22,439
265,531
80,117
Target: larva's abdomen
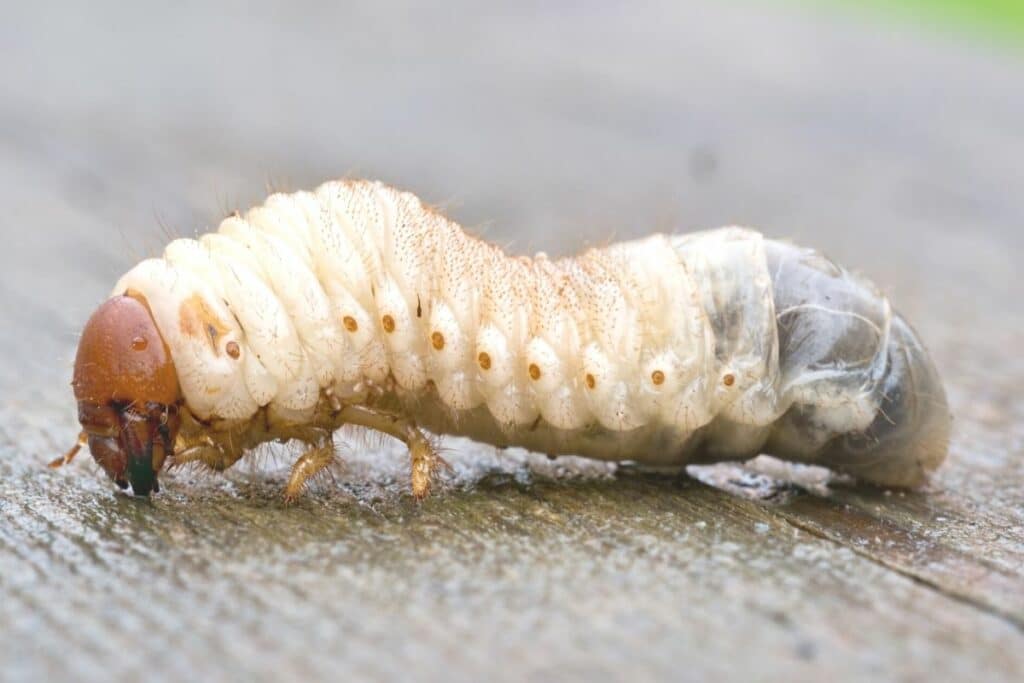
x,y
665,350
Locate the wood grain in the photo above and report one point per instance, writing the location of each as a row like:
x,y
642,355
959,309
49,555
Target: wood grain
x,y
546,129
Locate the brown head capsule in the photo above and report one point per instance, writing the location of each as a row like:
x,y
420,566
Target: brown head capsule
x,y
127,391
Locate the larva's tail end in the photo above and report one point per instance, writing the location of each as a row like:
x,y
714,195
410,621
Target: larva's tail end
x,y
909,437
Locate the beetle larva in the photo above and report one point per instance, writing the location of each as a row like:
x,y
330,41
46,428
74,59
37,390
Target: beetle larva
x,y
356,304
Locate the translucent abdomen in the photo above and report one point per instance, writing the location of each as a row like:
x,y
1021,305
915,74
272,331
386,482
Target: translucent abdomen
x,y
867,399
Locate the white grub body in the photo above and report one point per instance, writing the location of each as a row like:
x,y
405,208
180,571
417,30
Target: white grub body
x,y
666,350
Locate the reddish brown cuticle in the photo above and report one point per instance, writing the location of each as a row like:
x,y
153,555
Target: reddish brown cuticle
x,y
122,357
127,391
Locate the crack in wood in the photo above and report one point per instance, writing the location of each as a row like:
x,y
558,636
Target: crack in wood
x,y
962,571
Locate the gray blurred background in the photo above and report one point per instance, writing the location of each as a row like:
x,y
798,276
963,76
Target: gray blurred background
x,y
896,150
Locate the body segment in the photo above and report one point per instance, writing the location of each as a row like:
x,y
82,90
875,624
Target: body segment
x,y
667,350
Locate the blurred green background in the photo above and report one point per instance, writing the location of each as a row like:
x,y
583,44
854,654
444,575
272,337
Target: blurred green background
x,y
999,20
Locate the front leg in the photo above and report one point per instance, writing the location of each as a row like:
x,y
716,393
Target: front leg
x,y
312,462
424,459
212,456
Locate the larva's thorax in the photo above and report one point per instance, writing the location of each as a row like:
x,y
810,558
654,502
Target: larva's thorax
x,y
659,350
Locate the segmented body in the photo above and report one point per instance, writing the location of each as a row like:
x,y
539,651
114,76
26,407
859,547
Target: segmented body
x,y
669,349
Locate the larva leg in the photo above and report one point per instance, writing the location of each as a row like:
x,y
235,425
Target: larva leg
x,y
311,463
424,460
213,457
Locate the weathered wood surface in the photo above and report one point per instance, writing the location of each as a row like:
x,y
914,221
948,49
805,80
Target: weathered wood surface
x,y
546,129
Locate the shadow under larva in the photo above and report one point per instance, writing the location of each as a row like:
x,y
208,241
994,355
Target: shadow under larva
x,y
355,304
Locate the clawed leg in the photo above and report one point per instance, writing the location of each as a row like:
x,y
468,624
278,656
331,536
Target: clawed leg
x,y
213,457
425,461
311,463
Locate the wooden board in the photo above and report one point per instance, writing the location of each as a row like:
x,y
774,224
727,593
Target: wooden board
x,y
548,129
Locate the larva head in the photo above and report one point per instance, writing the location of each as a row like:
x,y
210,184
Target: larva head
x,y
127,391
